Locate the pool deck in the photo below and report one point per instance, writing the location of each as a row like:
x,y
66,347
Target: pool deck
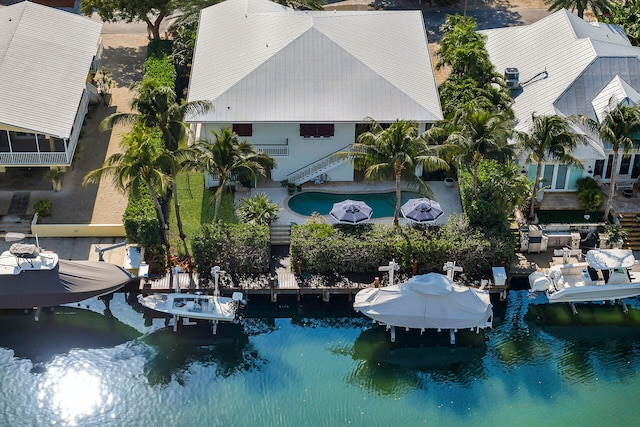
x,y
448,197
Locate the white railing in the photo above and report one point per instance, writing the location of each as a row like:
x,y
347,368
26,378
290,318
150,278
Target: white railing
x,y
279,150
33,159
317,168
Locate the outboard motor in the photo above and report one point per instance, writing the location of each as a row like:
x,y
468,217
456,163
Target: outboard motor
x,y
539,282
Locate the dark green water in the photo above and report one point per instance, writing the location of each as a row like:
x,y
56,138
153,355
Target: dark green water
x,y
383,204
316,366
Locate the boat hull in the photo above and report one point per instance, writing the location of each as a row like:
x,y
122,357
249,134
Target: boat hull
x,y
595,293
202,307
68,282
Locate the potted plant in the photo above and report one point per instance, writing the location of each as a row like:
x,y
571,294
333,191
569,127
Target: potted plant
x,y
616,234
291,188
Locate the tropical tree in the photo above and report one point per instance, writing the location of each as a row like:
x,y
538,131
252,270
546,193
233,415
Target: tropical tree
x,y
258,210
473,81
143,163
462,49
152,12
394,153
627,15
158,107
598,7
475,135
228,159
548,138
620,128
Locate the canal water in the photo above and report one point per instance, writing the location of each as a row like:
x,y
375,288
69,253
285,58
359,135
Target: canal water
x,y
310,365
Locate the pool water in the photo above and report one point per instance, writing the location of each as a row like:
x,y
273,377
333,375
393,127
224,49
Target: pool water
x,y
383,204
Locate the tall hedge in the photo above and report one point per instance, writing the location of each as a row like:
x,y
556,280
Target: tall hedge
x,y
141,221
324,247
237,248
158,67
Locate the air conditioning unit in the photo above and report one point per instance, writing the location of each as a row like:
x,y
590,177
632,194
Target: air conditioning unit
x,y
512,78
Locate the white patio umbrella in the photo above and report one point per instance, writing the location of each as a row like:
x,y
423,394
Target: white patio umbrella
x,y
421,210
351,211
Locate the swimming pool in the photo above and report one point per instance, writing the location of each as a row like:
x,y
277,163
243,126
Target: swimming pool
x,y
383,204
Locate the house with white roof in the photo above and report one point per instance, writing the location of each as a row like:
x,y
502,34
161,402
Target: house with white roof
x,y
46,56
568,66
301,85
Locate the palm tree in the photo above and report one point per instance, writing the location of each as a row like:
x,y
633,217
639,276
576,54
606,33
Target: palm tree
x,y
158,107
549,137
229,159
143,162
620,127
475,135
258,210
598,7
395,152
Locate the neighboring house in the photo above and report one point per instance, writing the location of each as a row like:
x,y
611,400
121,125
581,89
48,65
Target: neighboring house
x,y
300,85
568,66
46,56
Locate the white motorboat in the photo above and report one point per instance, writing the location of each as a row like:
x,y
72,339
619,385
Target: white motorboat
x,y
32,277
428,301
195,306
605,276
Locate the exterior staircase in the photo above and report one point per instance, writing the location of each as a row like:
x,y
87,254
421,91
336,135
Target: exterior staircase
x,y
280,234
632,226
320,167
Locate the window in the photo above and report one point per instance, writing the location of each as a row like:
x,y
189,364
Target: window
x,y
316,130
624,165
243,129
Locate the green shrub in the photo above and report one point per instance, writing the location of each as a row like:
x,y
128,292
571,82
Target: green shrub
x,y
141,221
43,208
586,183
589,194
158,67
501,186
324,247
237,248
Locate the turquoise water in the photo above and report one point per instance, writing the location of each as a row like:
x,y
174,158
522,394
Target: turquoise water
x,y
383,204
308,365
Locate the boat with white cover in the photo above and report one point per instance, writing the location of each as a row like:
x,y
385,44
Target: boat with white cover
x,y
32,277
605,276
195,306
427,301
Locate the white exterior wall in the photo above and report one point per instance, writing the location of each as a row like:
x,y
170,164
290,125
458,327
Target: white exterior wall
x,y
302,151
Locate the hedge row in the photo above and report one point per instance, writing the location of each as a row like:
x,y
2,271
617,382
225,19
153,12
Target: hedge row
x,y
140,218
158,67
237,248
324,247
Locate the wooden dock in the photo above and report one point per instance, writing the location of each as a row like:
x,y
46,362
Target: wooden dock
x,y
190,282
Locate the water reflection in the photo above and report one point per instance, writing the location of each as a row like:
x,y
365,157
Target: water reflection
x,y
397,368
226,353
58,331
599,335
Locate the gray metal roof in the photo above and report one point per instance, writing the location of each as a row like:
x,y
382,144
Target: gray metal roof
x,y
45,56
262,62
581,59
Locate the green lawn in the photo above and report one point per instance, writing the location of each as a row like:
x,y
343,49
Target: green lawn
x,y
197,206
553,217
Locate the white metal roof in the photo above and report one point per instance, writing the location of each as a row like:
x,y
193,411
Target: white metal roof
x,y
615,93
45,56
580,58
258,61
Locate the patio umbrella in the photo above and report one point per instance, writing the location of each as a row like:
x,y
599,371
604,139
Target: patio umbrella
x,y
421,210
351,211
